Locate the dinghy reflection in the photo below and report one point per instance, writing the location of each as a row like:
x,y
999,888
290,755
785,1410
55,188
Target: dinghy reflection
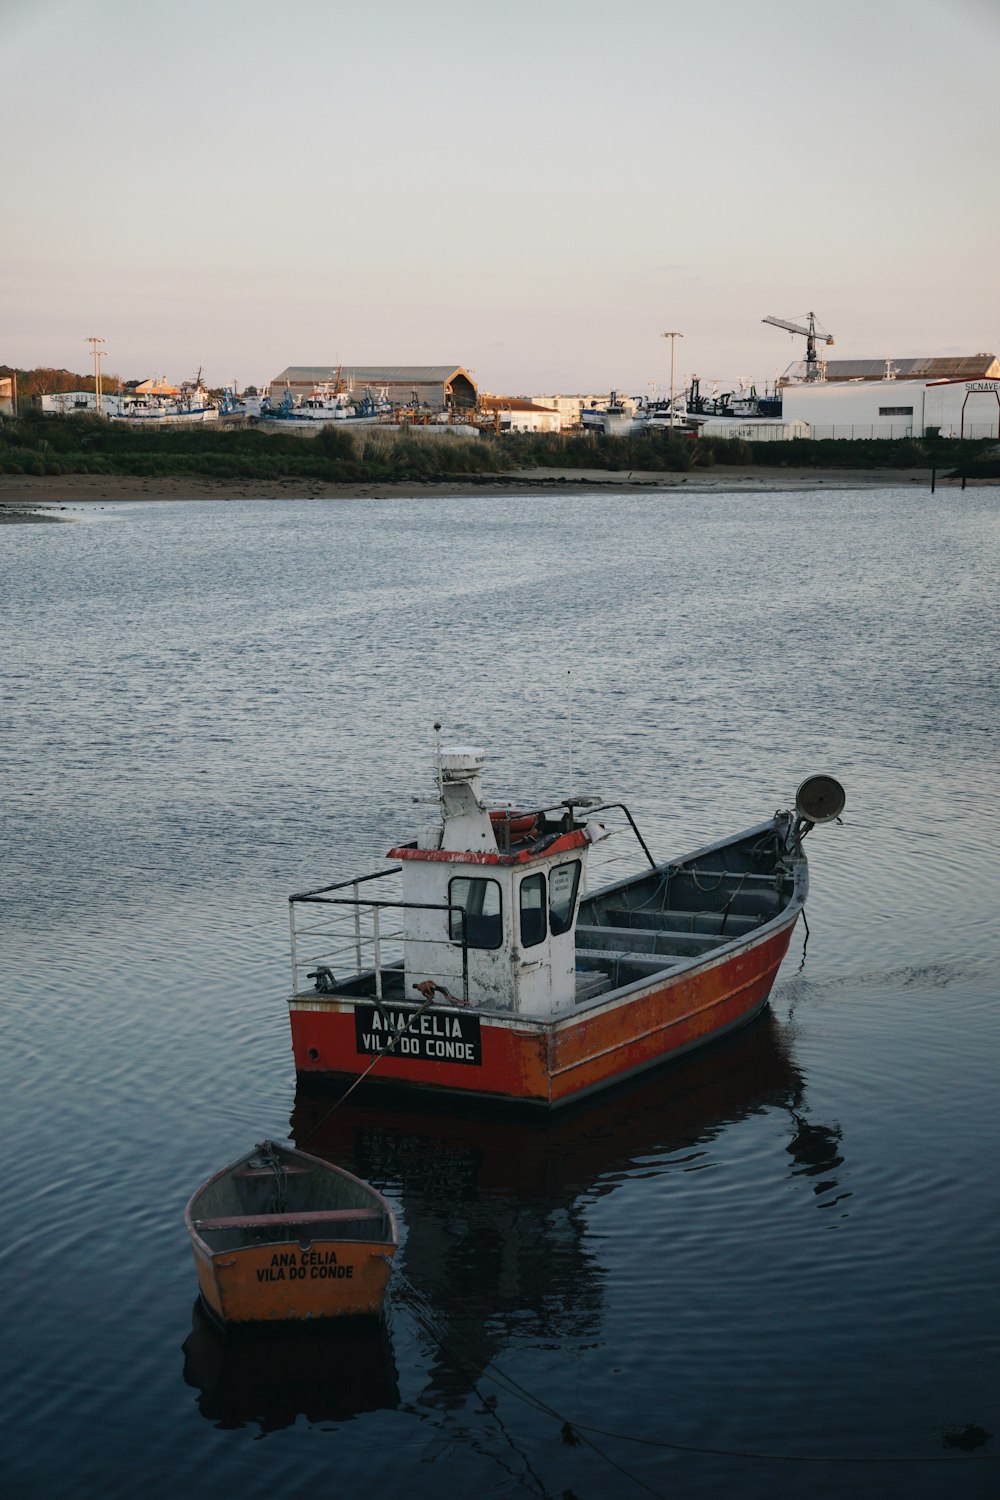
x,y
495,1208
270,1377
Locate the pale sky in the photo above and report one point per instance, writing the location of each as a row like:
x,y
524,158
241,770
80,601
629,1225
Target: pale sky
x,y
535,191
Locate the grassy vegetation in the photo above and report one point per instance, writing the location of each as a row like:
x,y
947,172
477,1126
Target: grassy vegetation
x,y
661,451
84,444
33,444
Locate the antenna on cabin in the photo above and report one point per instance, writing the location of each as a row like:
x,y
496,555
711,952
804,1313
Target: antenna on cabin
x,y
437,757
569,712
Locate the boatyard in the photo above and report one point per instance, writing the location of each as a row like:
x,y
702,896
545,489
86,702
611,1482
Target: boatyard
x,y
383,430
880,399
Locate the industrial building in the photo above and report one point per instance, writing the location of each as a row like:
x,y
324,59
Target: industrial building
x,y
937,367
570,408
73,403
893,407
516,414
428,387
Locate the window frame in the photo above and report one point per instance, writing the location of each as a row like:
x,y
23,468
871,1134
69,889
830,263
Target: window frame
x,y
576,864
453,919
543,910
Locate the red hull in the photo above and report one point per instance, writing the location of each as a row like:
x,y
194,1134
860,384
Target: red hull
x,y
554,1062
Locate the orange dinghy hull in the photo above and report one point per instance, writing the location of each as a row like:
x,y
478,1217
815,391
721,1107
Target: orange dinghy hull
x,y
280,1236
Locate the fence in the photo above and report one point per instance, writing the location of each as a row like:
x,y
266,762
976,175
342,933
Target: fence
x,y
855,432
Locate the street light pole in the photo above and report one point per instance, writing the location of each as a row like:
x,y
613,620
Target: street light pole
x,y
98,356
673,336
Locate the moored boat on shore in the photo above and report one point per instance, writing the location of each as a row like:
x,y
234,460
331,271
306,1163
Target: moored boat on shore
x,y
182,409
514,986
328,403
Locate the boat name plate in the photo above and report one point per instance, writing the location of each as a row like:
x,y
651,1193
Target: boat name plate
x,y
436,1036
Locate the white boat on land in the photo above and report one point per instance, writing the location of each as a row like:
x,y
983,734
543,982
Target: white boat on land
x,y
184,408
325,403
613,419
329,402
240,406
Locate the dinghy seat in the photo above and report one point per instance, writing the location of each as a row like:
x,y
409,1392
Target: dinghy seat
x,y
306,1216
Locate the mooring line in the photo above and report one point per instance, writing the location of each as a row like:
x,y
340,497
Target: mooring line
x,y
425,1315
575,1431
396,1035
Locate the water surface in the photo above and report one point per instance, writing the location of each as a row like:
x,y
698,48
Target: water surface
x,y
784,1247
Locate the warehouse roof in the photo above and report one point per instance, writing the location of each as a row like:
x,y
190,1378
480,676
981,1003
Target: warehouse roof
x,y
952,367
371,374
512,403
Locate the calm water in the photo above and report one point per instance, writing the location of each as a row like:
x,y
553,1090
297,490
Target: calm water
x,y
734,1279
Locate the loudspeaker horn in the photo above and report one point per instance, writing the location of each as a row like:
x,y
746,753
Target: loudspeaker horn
x,y
820,799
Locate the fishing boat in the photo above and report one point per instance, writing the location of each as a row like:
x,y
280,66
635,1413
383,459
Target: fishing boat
x,y
612,419
325,403
280,1236
512,983
185,409
328,402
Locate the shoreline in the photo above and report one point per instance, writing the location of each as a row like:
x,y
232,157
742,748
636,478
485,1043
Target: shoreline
x,y
20,493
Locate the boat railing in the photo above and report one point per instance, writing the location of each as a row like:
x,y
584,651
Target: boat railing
x,y
336,926
621,853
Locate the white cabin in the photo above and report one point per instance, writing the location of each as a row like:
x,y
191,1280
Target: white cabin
x,y
512,881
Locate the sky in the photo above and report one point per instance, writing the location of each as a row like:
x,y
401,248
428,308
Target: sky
x,y
535,191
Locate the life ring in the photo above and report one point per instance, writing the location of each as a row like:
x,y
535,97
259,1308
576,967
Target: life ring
x,y
520,825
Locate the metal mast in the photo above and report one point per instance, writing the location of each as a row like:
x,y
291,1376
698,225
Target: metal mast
x,y
98,356
673,336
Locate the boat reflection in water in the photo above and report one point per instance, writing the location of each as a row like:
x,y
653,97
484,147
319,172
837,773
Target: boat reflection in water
x,y
495,1208
271,1376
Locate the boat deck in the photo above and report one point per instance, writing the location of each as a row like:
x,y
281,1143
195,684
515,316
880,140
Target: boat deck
x,y
672,917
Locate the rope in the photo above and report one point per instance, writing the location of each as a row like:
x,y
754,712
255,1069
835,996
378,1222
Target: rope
x,y
396,1036
277,1203
424,1315
574,1432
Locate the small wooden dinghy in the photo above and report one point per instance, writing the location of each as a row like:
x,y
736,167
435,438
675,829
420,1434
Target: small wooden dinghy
x,y
281,1236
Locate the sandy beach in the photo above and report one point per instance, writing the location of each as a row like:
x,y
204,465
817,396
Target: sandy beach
x,y
27,497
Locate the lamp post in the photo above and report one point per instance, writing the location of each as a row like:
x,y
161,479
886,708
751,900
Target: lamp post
x,y
98,355
673,336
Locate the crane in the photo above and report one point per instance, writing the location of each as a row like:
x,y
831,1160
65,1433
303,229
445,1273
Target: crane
x,y
811,335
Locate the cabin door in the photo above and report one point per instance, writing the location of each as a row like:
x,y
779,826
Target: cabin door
x,y
543,953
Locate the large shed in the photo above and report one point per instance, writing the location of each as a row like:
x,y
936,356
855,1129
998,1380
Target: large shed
x,y
515,414
925,368
895,408
432,387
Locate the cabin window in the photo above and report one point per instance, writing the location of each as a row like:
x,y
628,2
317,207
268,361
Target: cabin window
x,y
532,910
563,883
480,900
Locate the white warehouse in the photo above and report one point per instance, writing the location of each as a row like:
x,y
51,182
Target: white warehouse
x,y
893,408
